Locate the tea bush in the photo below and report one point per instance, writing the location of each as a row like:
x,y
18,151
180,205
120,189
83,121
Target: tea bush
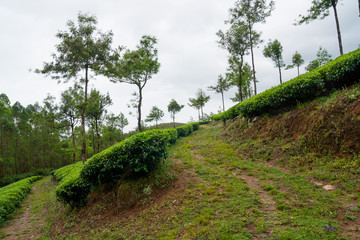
x,y
12,195
339,73
132,158
135,156
72,189
173,135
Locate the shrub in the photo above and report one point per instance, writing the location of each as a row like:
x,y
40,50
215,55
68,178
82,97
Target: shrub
x,y
12,195
133,157
72,189
173,135
339,73
14,178
184,130
195,126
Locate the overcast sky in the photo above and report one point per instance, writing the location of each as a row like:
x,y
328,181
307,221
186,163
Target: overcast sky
x,y
188,51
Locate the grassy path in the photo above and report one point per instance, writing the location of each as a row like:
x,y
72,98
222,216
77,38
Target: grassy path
x,y
219,194
31,219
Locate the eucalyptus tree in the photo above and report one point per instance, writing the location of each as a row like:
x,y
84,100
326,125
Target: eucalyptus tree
x,y
70,107
173,108
236,41
297,61
113,129
322,57
83,49
155,115
195,104
243,83
222,86
201,99
137,67
320,10
273,50
95,110
250,12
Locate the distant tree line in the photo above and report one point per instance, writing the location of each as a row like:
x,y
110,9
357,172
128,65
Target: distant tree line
x,y
47,135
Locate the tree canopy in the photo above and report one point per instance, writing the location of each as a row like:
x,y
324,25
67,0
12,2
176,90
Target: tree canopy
x,y
137,67
174,108
320,10
273,50
82,49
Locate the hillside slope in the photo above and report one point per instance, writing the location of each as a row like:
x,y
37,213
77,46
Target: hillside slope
x,y
289,176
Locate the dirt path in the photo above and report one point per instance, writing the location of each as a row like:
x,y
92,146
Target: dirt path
x,y
29,219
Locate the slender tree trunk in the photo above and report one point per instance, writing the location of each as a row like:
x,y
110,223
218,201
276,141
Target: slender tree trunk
x,y
280,75
73,142
222,97
93,140
199,113
240,84
83,132
298,68
337,27
252,58
202,113
139,109
359,7
97,135
173,117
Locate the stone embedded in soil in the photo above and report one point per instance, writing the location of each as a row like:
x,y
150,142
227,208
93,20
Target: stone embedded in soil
x,y
329,187
353,208
330,228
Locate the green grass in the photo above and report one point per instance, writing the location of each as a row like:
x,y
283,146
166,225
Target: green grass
x,y
214,201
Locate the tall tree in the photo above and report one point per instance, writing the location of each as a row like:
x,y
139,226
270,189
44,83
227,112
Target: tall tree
x,y
236,41
174,108
201,100
322,57
195,104
70,107
83,49
297,61
113,129
155,115
137,67
251,12
242,82
273,50
320,10
222,86
95,110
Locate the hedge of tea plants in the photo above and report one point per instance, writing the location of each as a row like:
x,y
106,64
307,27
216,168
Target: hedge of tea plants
x,y
341,72
136,156
71,189
12,195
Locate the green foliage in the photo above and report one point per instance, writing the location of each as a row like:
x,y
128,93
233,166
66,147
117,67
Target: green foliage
x,y
11,196
195,126
14,178
173,135
274,50
137,67
133,157
322,57
174,108
72,189
336,74
185,130
155,114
